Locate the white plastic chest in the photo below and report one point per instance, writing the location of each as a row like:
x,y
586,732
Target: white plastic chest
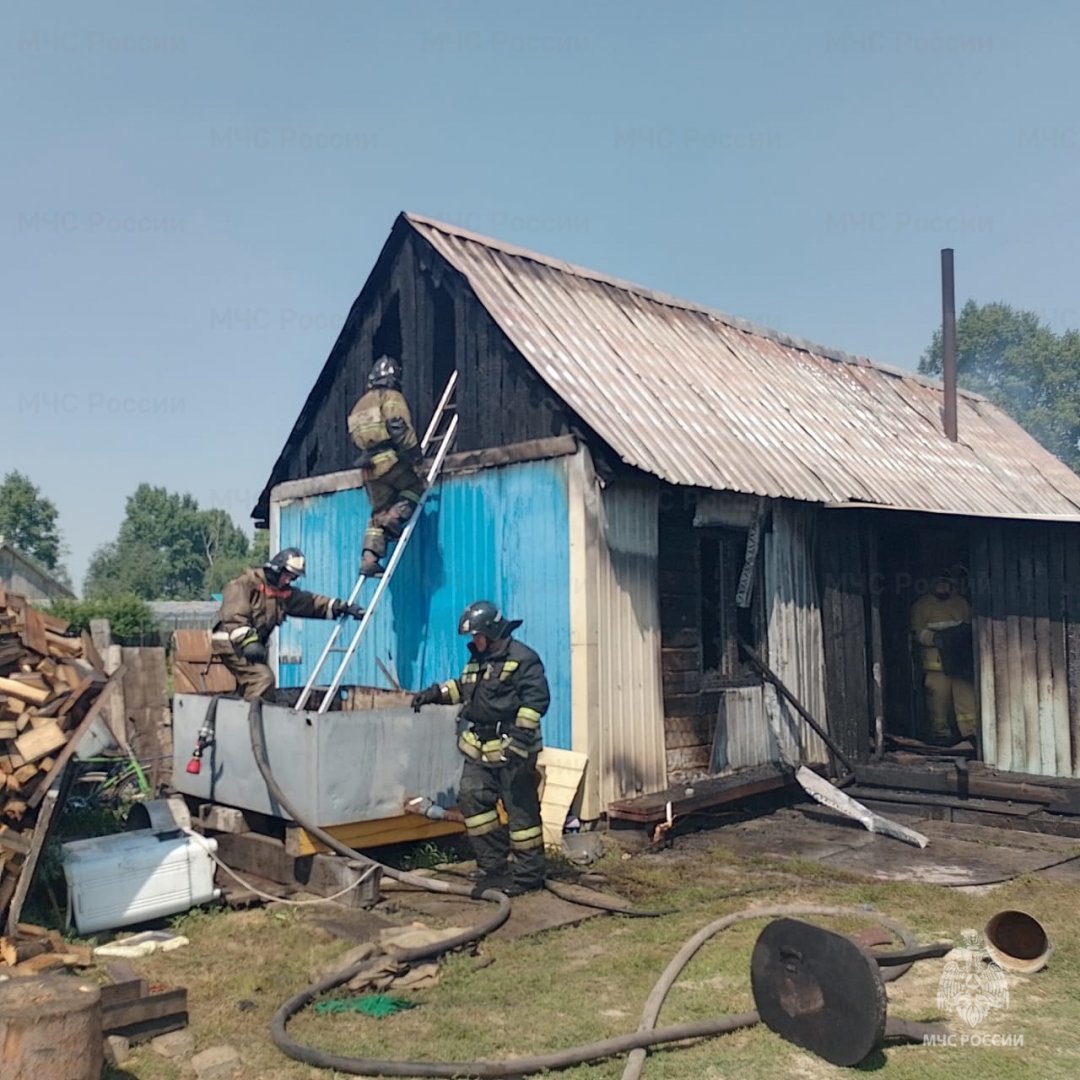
x,y
135,876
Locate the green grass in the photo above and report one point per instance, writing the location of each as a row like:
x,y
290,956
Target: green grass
x,y
579,984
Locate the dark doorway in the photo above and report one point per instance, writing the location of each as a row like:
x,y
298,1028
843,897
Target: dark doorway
x,y
910,554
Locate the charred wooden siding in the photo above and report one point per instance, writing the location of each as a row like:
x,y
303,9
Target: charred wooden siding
x,y
1026,601
416,305
690,711
844,574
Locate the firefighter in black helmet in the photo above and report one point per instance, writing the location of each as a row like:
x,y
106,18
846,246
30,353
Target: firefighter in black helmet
x,y
381,426
503,693
253,606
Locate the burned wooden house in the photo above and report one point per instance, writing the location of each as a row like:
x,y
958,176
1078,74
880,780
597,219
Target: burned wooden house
x,y
652,486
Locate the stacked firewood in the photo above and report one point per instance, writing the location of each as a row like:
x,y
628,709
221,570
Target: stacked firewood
x,y
51,685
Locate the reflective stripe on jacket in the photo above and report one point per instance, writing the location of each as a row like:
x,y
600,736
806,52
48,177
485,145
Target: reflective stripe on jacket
x,y
503,695
368,430
249,602
929,614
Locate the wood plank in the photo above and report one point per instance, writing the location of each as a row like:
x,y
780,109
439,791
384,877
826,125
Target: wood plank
x,y
146,1030
78,694
90,653
713,791
76,736
39,965
562,772
368,834
680,659
689,758
15,950
121,1014
997,592
983,628
38,742
20,689
62,645
119,992
22,776
1059,665
33,634
26,876
877,648
1040,548
1071,592
13,840
1014,655
844,640
1030,673
8,729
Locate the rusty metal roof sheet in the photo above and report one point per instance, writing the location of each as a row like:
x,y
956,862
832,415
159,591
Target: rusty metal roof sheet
x,y
701,398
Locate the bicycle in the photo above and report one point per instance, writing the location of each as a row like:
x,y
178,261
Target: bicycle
x,y
108,782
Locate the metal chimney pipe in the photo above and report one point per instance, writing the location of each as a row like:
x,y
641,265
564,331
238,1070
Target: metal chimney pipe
x,y
948,341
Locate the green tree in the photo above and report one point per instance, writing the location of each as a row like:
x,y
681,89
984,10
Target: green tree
x,y
1020,364
29,522
260,547
168,549
128,615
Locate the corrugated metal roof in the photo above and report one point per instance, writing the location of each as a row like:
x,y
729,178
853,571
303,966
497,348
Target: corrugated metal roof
x,y
704,399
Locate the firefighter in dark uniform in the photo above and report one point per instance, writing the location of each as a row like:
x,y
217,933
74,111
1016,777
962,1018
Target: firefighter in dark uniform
x,y
253,606
503,693
380,424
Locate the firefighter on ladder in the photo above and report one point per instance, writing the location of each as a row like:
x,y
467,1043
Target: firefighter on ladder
x,y
253,606
503,693
380,424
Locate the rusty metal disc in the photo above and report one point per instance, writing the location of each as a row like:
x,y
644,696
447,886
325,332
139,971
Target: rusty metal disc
x,y
818,990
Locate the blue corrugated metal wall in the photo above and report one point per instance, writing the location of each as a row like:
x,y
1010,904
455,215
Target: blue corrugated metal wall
x,y
499,534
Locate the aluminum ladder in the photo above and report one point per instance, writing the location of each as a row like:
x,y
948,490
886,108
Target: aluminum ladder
x,y
440,436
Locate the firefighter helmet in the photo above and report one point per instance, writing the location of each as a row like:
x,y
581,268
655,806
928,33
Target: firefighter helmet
x,y
483,617
291,559
386,373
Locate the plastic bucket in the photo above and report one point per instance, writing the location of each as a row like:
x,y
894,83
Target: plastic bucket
x,y
1017,942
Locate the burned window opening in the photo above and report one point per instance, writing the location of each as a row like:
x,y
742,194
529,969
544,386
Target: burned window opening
x,y
387,339
721,557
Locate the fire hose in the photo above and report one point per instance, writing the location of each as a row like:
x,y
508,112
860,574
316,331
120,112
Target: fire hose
x,y
634,1043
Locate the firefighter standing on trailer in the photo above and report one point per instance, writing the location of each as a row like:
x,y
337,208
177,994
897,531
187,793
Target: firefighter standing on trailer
x,y
253,606
503,693
381,426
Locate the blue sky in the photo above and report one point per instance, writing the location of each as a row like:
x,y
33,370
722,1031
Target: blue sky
x,y
193,194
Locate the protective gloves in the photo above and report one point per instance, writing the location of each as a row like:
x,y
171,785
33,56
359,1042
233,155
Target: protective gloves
x,y
431,696
343,607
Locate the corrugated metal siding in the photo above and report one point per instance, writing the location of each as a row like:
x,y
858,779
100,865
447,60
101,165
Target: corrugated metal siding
x,y
499,534
22,576
627,600
700,398
1026,612
744,737
795,648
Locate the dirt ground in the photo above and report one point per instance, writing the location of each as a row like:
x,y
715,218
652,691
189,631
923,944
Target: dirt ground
x,y
558,975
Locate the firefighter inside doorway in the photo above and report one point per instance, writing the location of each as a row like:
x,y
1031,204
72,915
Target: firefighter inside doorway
x,y
941,627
